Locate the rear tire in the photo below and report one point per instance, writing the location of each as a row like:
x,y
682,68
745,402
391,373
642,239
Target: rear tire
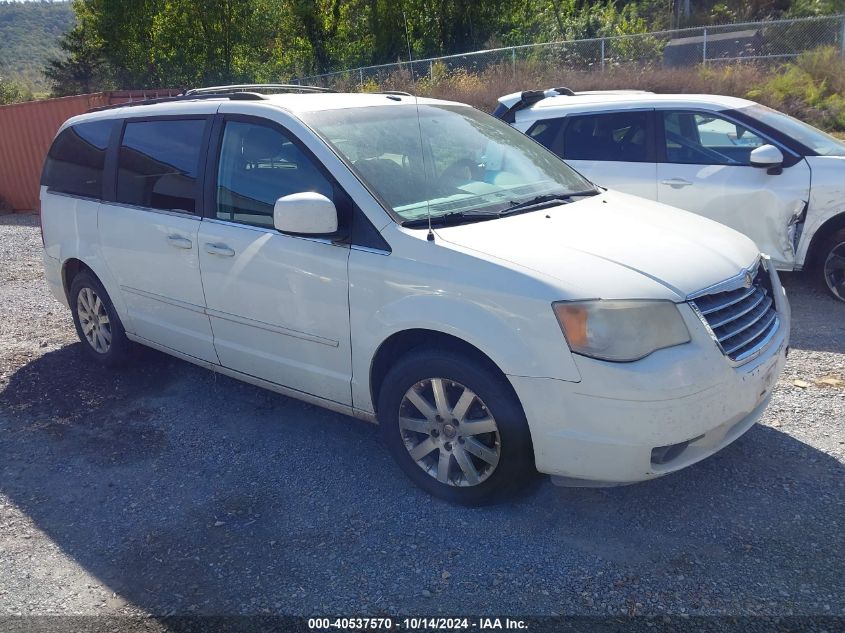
x,y
97,324
831,264
455,428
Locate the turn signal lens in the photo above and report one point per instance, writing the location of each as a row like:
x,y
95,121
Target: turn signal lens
x,y
573,321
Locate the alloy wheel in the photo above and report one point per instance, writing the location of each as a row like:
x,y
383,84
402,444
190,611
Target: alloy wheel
x,y
94,320
834,271
449,432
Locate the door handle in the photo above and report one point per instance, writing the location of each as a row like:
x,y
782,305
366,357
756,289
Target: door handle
x,y
221,250
177,241
676,183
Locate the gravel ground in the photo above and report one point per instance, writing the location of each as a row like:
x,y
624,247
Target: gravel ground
x,y
167,489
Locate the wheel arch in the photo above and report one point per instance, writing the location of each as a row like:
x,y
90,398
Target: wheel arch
x,y
828,228
70,269
72,266
403,342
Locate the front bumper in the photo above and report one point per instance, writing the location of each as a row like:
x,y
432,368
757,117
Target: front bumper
x,y
628,422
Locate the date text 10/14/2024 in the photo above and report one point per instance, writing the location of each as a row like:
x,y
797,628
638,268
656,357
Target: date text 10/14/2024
x,y
422,623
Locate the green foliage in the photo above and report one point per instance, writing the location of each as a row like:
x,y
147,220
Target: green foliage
x,y
724,11
82,68
13,91
812,88
803,8
29,33
180,43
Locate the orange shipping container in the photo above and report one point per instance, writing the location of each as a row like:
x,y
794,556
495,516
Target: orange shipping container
x,y
27,130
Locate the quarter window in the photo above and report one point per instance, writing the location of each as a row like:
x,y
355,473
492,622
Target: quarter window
x,y
259,165
611,136
159,164
547,133
706,139
75,162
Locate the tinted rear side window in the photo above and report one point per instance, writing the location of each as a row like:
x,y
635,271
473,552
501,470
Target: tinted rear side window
x,y
547,133
75,161
614,136
159,164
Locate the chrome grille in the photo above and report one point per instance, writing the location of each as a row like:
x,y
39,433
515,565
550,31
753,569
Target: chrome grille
x,y
742,321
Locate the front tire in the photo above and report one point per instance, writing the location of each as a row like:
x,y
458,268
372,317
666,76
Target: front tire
x,y
455,428
831,262
96,321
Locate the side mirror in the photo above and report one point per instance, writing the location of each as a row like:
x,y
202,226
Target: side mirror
x,y
305,213
766,156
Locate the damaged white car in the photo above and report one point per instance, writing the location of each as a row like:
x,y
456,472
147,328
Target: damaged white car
x,y
766,174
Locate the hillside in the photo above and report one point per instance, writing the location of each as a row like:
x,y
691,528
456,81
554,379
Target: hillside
x,y
29,32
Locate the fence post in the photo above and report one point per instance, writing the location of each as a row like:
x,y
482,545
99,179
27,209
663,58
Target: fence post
x,y
704,48
602,54
513,61
431,71
843,37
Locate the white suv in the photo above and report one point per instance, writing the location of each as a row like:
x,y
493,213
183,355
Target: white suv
x,y
768,175
417,263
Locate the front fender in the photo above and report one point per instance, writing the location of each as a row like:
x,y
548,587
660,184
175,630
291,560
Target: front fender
x,y
827,200
520,344
518,333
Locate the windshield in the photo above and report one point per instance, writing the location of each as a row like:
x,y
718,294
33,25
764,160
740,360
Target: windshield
x,y
467,162
821,143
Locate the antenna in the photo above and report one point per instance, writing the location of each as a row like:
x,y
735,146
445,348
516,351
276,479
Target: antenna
x,y
430,236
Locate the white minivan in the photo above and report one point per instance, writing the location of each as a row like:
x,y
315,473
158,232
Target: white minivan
x,y
766,174
417,263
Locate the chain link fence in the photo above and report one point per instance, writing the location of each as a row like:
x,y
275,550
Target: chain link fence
x,y
760,42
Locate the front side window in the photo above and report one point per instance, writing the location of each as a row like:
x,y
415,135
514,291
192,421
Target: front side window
x,y
75,162
610,136
444,160
258,165
706,139
159,164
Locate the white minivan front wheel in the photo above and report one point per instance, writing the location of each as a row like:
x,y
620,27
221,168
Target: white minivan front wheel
x,y
455,427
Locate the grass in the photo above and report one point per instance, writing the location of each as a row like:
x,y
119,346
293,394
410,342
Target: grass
x,y
812,87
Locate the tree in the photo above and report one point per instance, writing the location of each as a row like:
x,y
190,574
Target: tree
x,y
83,68
12,91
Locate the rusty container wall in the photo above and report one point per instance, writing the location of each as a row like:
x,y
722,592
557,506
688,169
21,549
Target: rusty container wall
x,y
27,130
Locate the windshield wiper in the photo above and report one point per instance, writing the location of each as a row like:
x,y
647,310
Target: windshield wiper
x,y
464,217
547,200
452,218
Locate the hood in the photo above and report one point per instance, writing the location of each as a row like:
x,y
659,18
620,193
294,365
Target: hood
x,y
613,246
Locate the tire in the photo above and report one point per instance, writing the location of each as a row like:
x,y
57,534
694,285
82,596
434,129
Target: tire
x,y
499,453
96,321
831,264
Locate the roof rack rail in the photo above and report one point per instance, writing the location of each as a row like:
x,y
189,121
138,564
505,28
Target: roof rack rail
x,y
236,88
618,91
398,93
235,96
528,98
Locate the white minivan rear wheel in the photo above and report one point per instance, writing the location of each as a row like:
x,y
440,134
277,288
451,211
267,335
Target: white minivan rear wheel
x,y
96,321
455,427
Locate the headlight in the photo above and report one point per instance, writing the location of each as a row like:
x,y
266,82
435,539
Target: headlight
x,y
620,330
